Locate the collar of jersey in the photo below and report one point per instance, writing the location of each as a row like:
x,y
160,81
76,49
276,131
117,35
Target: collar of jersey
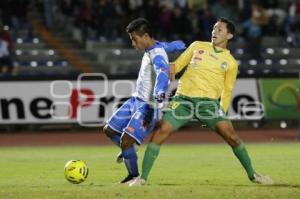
x,y
155,45
218,49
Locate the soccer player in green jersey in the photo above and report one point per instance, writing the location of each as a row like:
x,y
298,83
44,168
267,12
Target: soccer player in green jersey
x,y
204,93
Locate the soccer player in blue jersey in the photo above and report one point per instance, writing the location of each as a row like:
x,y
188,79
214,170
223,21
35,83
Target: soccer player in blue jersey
x,y
137,117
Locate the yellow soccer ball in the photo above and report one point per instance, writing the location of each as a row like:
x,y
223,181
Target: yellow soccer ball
x,y
76,171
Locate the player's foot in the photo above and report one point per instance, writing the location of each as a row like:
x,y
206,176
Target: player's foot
x,y
120,158
261,179
129,179
137,182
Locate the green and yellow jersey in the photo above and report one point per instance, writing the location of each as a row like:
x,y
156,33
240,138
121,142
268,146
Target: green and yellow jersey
x,y
211,72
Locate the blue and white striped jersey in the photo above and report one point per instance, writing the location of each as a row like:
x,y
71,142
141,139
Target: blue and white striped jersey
x,y
153,77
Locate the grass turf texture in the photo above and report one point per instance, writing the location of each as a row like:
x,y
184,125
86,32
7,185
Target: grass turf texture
x,y
181,171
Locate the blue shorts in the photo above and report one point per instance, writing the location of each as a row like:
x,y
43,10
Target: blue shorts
x,y
135,118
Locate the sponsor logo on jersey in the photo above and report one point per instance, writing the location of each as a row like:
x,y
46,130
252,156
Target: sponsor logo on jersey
x,y
130,129
198,58
213,56
224,65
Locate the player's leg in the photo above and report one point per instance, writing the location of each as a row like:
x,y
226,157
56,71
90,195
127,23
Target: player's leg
x,y
160,135
115,138
118,121
111,134
227,132
130,157
140,126
180,111
178,115
210,113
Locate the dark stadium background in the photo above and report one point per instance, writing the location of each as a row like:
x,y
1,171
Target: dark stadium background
x,y
55,41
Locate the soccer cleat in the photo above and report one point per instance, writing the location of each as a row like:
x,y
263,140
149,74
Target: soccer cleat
x,y
261,179
129,179
137,182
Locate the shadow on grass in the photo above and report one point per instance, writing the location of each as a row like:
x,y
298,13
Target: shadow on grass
x,y
168,184
202,184
93,184
279,185
287,185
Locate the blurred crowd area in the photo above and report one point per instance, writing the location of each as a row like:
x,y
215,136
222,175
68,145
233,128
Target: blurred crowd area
x,y
106,20
185,19
13,18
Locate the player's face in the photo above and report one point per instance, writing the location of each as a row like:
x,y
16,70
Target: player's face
x,y
220,35
138,42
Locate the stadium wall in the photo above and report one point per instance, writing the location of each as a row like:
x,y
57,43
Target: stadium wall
x,y
90,102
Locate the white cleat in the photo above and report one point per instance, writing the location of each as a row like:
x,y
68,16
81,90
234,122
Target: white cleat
x,y
128,180
138,182
261,179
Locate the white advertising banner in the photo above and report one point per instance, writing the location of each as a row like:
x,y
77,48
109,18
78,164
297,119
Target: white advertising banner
x,y
246,103
91,103
88,103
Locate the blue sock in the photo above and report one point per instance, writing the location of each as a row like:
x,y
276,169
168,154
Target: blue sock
x,y
130,160
116,139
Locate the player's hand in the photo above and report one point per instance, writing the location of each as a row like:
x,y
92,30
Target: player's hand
x,y
160,97
178,44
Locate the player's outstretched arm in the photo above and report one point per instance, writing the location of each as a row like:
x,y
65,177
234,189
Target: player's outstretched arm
x,y
174,46
185,58
162,78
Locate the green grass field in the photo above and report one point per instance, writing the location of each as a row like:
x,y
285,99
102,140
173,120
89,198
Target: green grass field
x,y
181,171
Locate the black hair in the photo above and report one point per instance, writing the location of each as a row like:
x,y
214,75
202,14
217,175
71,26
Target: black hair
x,y
230,25
140,26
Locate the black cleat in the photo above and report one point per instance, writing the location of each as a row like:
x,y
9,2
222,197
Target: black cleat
x,y
130,178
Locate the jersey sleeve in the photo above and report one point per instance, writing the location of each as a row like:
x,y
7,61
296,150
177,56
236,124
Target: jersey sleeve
x,y
174,46
161,68
230,79
185,58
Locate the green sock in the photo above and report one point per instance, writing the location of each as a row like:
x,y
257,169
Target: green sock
x,y
242,154
150,156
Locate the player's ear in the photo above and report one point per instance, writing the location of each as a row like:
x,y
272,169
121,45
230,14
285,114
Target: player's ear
x,y
146,35
229,36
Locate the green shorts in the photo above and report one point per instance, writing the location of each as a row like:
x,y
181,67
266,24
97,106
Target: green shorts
x,y
183,109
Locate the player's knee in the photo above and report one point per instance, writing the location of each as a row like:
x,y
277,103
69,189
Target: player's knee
x,y
163,131
234,140
108,131
126,141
